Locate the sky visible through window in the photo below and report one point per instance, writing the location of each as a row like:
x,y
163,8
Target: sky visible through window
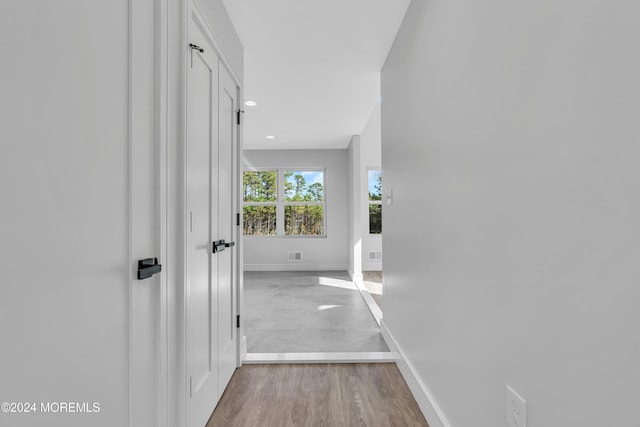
x,y
309,187
311,177
373,181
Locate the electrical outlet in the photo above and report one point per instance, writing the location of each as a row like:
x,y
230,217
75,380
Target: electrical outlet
x,y
516,409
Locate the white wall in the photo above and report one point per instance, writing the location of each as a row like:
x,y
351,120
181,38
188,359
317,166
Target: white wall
x,y
364,153
318,253
354,210
226,35
64,223
371,158
510,140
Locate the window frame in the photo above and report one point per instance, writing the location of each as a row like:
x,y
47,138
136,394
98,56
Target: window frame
x,y
280,202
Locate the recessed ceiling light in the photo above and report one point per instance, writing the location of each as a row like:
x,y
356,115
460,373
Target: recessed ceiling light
x,y
250,103
271,137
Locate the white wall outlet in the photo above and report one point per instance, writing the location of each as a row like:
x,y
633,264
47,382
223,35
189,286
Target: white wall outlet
x,y
516,409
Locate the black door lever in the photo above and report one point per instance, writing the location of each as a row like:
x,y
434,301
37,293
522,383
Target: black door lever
x,y
218,246
148,267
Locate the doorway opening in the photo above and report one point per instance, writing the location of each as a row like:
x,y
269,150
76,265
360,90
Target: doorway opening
x,y
372,243
299,297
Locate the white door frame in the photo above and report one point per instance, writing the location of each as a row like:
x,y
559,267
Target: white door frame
x,y
148,118
165,406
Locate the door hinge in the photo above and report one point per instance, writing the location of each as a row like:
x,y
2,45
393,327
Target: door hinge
x,y
238,219
194,47
238,321
238,119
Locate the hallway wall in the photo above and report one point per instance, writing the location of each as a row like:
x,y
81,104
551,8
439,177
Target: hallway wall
x,y
510,141
318,253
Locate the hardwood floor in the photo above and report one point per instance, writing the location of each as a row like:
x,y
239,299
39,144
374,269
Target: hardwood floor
x,y
332,395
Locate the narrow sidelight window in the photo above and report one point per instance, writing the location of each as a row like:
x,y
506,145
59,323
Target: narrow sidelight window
x,y
375,201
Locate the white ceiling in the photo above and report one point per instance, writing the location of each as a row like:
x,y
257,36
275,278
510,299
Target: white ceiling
x,y
313,67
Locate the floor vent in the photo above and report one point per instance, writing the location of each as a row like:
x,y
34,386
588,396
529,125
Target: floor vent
x,y
295,256
375,255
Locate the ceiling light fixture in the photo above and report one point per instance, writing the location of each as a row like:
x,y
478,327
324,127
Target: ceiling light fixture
x,y
250,103
271,137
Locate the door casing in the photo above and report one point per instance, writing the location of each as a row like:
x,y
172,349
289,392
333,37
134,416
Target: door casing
x,y
149,368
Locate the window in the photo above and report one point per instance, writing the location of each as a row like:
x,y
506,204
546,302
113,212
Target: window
x,y
303,203
260,192
283,202
375,201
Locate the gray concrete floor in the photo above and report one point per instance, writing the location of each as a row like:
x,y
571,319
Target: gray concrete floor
x,y
297,312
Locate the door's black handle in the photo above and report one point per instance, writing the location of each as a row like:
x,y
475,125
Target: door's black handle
x,y
218,246
229,245
148,267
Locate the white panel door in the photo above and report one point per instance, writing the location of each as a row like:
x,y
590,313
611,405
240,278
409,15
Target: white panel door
x,y
227,144
201,267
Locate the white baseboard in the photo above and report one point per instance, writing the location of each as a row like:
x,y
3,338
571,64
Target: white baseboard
x,y
295,267
243,349
345,357
373,266
432,412
368,299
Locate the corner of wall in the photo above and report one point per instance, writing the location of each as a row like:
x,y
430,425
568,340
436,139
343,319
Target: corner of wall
x,y
357,278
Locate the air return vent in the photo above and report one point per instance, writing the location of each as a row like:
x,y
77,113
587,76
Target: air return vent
x,y
295,256
375,255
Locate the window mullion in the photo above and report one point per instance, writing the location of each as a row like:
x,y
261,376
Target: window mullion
x,y
280,203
